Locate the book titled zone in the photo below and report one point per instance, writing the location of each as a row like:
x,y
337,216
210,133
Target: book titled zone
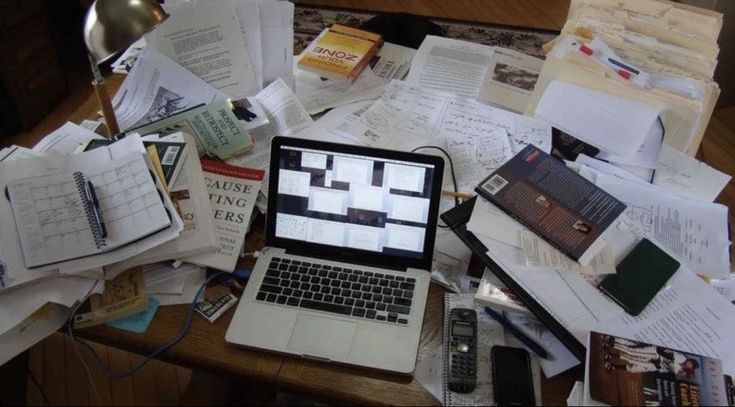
x,y
340,52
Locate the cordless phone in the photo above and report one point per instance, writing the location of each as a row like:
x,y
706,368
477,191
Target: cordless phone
x,y
462,353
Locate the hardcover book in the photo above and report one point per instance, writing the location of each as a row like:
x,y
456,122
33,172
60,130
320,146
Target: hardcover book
x,y
628,372
555,202
340,52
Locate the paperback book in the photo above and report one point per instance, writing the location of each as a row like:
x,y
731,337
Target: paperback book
x,y
627,372
232,194
555,202
215,128
340,52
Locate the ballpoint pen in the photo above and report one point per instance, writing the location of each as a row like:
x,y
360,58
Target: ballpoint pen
x,y
536,348
94,203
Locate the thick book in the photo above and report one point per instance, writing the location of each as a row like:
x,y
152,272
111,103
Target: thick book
x,y
232,193
340,52
628,372
555,202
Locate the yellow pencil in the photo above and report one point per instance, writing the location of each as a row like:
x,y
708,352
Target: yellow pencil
x,y
456,194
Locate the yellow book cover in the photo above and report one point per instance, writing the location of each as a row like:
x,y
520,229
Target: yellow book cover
x,y
340,52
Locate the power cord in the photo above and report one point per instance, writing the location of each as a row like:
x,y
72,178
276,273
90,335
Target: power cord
x,y
38,385
185,329
451,169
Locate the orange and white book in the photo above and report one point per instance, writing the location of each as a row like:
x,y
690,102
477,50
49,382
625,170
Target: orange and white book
x,y
340,52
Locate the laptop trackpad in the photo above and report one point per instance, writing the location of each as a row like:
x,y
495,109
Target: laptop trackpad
x,y
322,337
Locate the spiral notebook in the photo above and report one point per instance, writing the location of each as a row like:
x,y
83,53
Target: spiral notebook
x,y
489,334
68,215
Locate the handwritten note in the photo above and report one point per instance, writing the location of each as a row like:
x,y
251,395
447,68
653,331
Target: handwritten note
x,y
476,146
687,177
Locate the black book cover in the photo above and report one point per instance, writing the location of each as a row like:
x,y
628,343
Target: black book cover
x,y
555,202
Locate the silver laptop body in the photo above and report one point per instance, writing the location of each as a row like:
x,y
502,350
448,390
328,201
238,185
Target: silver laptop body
x,y
345,272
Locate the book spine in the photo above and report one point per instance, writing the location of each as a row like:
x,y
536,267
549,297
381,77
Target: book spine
x,y
510,213
94,224
357,70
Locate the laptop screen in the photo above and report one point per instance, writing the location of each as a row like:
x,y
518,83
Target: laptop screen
x,y
354,199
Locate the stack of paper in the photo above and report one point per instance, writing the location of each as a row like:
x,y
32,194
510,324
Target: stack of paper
x,y
49,232
237,46
625,75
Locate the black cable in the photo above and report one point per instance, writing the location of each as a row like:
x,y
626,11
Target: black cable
x,y
35,382
663,134
451,169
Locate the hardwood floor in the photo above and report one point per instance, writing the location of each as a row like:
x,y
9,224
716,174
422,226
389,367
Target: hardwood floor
x,y
55,365
546,14
53,361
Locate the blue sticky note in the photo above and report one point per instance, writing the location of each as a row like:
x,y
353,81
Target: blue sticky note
x,y
137,323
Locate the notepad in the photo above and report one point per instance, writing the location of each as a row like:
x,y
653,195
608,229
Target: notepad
x,y
67,215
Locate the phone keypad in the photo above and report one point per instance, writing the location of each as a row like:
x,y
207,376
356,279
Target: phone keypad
x,y
463,364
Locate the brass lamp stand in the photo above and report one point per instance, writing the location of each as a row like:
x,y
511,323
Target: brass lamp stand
x,y
110,26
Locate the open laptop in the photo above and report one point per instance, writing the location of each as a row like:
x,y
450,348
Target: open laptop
x,y
349,241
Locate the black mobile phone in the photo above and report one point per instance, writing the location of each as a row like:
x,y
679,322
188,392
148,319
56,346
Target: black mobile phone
x,y
512,377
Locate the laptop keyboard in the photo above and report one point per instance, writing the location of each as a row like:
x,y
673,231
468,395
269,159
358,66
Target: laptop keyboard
x,y
343,291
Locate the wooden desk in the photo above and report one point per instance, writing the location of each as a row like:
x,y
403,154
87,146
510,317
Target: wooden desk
x,y
205,349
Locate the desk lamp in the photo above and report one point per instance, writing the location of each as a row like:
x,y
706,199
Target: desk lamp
x,y
110,26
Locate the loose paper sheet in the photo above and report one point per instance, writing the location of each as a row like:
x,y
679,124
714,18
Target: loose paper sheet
x,y
18,304
695,232
608,122
491,222
411,116
476,148
454,66
193,282
276,23
688,315
539,253
158,87
208,41
65,140
32,330
688,177
510,79
726,288
287,117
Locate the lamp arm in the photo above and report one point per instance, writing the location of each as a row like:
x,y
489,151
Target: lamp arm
x,y
103,97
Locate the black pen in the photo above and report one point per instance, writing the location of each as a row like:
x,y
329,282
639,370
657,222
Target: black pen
x,y
94,203
536,348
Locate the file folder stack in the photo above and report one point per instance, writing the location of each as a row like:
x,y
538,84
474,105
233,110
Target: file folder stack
x,y
652,53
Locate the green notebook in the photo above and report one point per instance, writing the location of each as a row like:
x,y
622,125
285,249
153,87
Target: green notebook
x,y
640,276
